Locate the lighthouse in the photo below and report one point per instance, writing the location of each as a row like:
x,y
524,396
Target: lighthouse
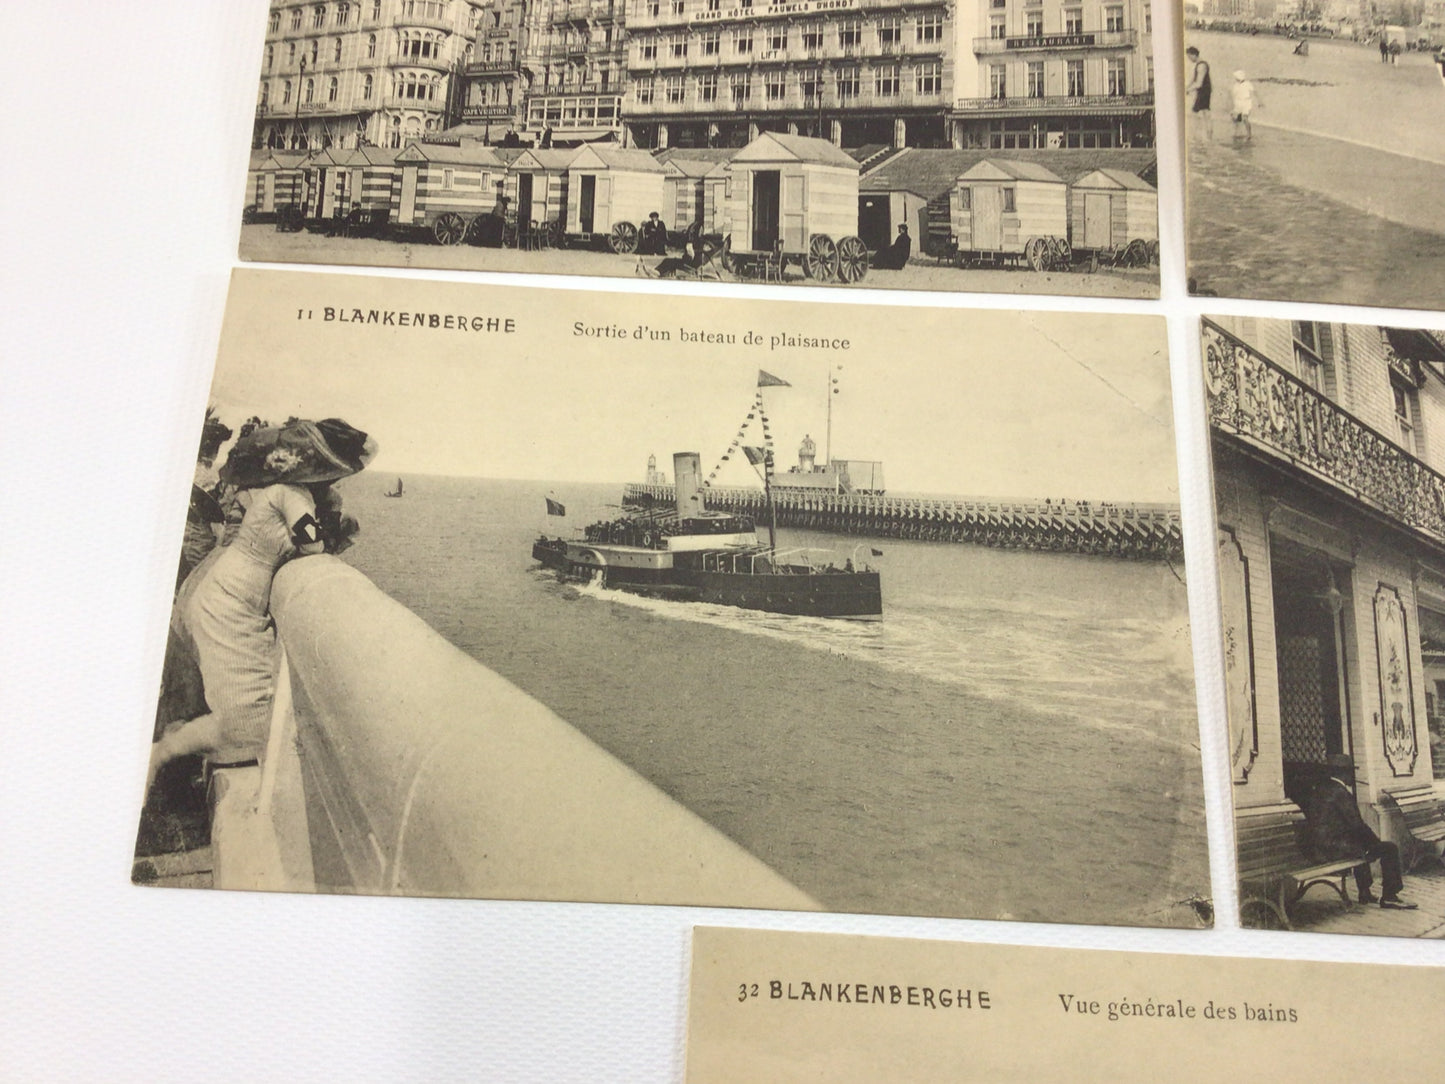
x,y
807,452
654,476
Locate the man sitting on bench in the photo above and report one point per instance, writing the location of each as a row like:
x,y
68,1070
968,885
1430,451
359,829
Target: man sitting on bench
x,y
1336,830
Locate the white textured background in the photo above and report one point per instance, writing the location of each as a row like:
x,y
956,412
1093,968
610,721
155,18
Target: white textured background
x,y
125,133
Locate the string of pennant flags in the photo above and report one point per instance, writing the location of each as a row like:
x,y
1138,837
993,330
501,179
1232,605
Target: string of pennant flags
x,y
755,455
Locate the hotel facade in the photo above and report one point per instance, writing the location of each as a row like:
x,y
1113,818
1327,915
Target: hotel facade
x,y
346,72
1040,74
1328,444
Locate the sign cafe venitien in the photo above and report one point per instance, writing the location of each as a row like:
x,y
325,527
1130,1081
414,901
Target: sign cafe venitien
x,y
765,11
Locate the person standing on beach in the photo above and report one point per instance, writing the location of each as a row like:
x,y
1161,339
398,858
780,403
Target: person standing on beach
x,y
1243,99
1200,90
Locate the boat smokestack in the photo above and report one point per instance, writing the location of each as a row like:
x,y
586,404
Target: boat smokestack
x,y
687,480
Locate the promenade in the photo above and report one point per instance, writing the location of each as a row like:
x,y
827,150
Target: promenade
x,y
1336,198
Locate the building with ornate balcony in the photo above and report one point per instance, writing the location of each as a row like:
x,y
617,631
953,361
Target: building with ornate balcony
x,y
547,70
1055,73
718,72
350,72
1328,443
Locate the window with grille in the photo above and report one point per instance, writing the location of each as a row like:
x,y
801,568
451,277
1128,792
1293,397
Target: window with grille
x,y
997,28
850,33
1309,352
743,41
742,87
778,38
890,31
812,37
1010,201
775,86
674,89
1407,413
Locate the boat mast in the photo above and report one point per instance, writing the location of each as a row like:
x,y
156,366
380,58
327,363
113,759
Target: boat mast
x,y
828,439
768,496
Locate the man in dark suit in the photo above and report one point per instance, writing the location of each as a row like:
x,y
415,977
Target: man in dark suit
x,y
1336,830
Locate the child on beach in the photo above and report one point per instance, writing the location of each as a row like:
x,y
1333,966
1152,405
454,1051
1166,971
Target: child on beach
x,y
1243,99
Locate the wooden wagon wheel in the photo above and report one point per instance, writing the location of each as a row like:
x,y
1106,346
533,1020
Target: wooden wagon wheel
x,y
852,259
821,261
725,256
623,238
1136,254
1065,253
449,229
1153,250
1036,252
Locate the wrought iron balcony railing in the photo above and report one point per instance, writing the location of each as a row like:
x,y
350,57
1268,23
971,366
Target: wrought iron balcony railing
x,y
1260,404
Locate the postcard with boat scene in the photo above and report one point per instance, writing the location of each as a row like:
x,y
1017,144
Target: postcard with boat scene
x,y
751,607
922,146
1329,444
1315,154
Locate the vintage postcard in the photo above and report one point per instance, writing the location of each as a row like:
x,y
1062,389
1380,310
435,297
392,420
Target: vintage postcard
x,y
780,1006
924,146
742,606
1328,442
1315,154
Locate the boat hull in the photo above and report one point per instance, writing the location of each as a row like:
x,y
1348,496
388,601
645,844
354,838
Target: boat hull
x,y
799,591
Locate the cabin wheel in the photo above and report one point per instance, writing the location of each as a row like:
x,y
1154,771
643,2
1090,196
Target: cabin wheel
x,y
449,229
821,262
1036,252
852,259
623,238
1065,254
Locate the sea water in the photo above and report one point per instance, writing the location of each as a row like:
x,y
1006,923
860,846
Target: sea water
x,y
1016,738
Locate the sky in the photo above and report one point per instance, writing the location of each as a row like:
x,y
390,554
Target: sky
x,y
952,401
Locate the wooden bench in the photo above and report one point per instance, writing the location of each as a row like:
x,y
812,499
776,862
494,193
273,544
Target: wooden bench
x,y
1418,828
1274,872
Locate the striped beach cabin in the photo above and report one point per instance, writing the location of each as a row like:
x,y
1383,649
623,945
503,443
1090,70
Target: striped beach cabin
x,y
444,189
1109,208
536,185
687,193
1000,210
716,186
278,182
370,172
325,183
610,192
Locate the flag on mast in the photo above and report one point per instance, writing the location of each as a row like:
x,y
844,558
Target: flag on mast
x,y
768,380
555,508
756,456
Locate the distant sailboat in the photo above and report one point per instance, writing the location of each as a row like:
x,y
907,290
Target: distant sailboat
x,y
395,492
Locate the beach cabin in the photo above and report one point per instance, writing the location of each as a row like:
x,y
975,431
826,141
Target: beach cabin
x,y
445,189
610,192
536,185
794,199
279,183
325,181
1005,211
716,187
369,175
1111,208
687,193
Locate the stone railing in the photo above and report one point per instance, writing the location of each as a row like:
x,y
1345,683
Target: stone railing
x,y
397,764
1255,401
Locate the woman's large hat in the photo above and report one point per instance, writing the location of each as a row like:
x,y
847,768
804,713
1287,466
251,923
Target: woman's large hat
x,y
297,453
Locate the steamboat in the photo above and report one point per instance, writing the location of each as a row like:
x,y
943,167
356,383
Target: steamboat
x,y
688,553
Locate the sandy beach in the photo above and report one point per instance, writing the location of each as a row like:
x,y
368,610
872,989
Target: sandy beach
x,y
1336,198
263,242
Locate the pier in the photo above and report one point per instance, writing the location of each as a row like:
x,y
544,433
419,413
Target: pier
x,y
1108,528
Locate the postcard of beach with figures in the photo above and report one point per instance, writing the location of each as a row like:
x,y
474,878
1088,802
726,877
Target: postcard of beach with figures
x,y
524,593
1316,156
917,146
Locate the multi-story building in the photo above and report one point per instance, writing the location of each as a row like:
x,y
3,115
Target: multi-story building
x,y
1328,443
345,72
547,68
1055,73
496,78
718,72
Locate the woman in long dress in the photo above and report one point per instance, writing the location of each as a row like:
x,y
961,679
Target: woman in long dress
x,y
223,611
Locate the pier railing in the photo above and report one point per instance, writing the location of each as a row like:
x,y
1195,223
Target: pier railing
x,y
1261,405
399,765
1119,529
